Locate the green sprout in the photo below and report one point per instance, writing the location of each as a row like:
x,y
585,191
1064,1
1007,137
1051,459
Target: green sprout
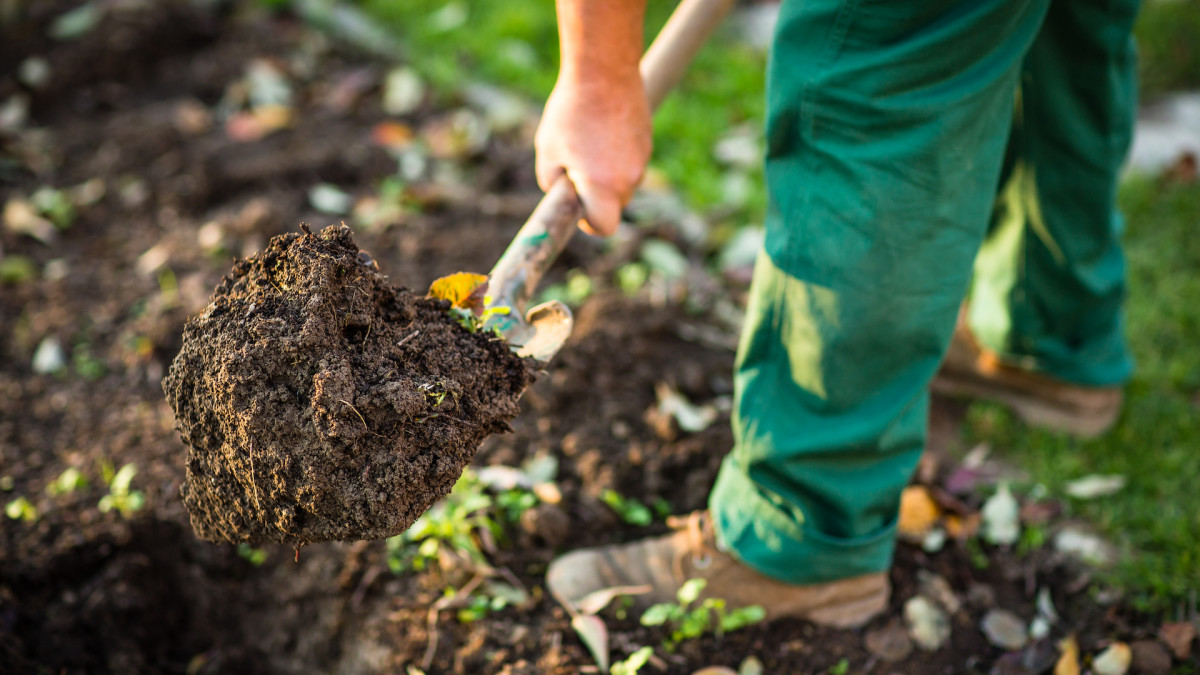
x,y
688,620
467,319
67,482
840,668
629,509
21,509
255,556
452,524
120,497
633,664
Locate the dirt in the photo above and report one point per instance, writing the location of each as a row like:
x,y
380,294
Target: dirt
x,y
319,403
90,591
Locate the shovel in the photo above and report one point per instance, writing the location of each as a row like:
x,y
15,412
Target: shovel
x,y
542,330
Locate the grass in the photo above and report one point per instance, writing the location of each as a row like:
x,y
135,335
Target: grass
x,y
1156,518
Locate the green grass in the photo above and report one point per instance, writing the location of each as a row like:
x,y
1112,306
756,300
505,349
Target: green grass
x,y
1155,519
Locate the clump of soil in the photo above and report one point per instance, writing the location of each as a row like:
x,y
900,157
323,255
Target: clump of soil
x,y
320,403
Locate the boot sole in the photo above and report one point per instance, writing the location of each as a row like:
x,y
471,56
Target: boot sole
x,y
1036,412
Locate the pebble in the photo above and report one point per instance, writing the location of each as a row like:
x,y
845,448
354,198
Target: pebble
x,y
890,643
928,625
1004,629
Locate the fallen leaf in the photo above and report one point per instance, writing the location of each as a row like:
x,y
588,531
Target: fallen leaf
x,y
258,123
750,666
594,634
392,135
1113,661
463,289
1068,660
1085,546
890,643
21,217
927,624
594,602
403,91
329,199
458,135
1004,629
690,417
918,512
1150,657
936,588
1001,524
962,527
1091,487
1178,636
76,23
1045,605
665,258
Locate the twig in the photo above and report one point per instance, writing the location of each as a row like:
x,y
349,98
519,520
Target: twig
x,y
360,417
411,335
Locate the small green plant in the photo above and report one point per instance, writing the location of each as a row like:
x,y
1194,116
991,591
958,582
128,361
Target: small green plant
x,y
1033,538
452,524
491,597
86,364
67,482
252,555
629,509
634,663
22,509
467,318
688,619
512,503
840,668
120,496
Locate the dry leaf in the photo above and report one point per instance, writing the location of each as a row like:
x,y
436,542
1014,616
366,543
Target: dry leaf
x,y
928,625
462,289
594,633
918,512
1001,524
392,135
1091,487
1178,636
595,601
1114,660
1068,660
1004,629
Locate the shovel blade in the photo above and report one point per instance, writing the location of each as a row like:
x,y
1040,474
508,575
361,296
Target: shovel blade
x,y
551,324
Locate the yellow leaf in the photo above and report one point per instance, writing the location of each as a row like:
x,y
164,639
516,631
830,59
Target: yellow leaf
x,y
1068,660
462,289
918,512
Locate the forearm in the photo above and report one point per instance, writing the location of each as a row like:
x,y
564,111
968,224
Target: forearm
x,y
600,40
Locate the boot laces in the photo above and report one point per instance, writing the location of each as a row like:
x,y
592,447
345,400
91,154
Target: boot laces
x,y
699,536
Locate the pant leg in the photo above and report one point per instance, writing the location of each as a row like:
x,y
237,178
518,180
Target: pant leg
x,y
886,126
1050,280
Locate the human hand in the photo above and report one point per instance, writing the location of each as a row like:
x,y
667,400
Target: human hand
x,y
598,130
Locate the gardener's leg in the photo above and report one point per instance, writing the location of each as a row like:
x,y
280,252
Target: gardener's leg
x,y
1050,280
887,122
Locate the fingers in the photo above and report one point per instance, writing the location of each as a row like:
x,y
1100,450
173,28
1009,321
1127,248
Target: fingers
x,y
601,206
547,169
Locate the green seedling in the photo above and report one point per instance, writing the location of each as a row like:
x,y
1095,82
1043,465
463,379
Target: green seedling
x,y
490,598
633,664
55,205
840,668
467,318
87,365
67,482
514,502
629,509
21,509
688,619
120,496
452,525
255,556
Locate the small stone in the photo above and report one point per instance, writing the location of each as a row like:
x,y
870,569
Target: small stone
x,y
49,358
1113,661
1150,657
1004,629
889,643
936,588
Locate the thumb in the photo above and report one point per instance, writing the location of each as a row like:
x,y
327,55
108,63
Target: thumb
x,y
601,206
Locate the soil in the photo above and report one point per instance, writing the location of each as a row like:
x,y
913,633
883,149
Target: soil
x,y
89,591
319,403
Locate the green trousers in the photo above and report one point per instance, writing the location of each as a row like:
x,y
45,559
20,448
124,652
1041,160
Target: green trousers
x,y
919,152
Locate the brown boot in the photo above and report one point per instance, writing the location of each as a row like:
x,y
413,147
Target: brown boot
x,y
972,371
665,563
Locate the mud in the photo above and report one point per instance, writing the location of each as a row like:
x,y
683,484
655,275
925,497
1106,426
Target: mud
x,y
320,403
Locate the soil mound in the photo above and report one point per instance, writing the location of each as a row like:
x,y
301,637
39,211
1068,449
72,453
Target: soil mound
x,y
320,403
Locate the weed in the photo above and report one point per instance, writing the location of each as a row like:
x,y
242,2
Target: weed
x,y
514,502
840,668
629,509
55,205
255,556
67,482
22,509
120,496
1033,538
452,525
88,366
467,318
634,663
688,620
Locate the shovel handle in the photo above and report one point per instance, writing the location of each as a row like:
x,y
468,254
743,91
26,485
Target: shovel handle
x,y
553,222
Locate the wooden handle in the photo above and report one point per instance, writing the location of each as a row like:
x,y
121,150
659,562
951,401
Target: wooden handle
x,y
554,221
